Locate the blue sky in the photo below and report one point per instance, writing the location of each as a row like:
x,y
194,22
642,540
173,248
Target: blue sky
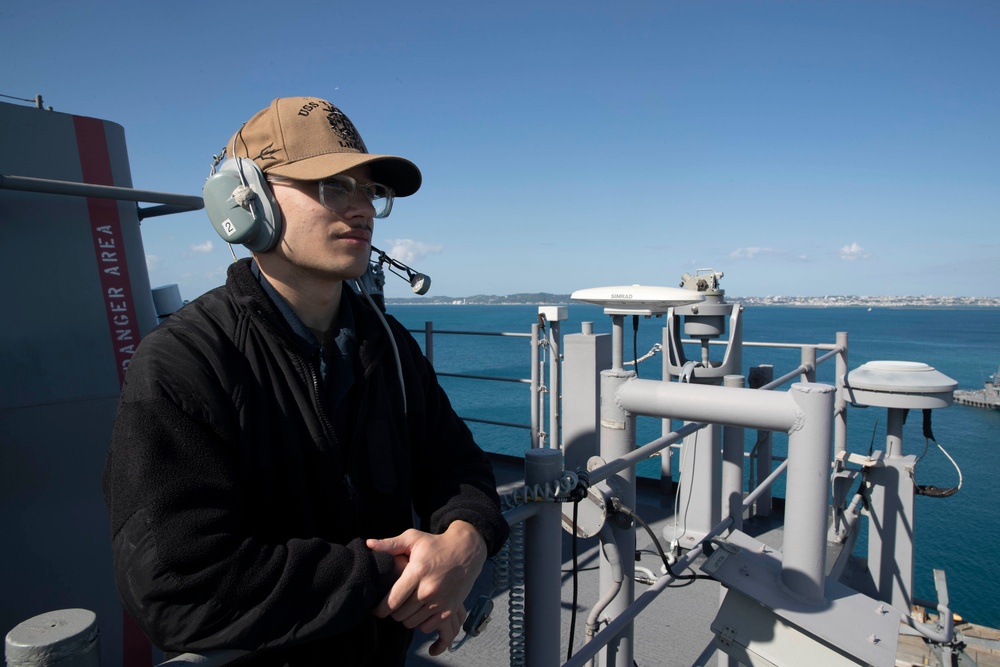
x,y
802,147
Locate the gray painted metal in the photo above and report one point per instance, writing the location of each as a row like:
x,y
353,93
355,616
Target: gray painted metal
x,y
805,413
585,356
890,537
732,485
696,318
64,638
900,384
840,404
765,618
732,464
77,189
761,454
543,560
618,439
536,388
554,315
807,490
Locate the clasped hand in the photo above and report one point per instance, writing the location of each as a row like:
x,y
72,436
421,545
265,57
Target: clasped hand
x,y
436,574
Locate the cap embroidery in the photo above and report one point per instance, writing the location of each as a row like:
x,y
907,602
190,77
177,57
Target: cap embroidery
x,y
345,130
267,153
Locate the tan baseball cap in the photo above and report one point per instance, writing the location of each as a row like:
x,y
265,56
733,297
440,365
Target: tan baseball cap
x,y
309,139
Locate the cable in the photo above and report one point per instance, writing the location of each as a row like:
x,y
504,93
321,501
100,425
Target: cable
x,y
635,342
657,347
515,597
677,493
576,581
392,339
929,490
649,531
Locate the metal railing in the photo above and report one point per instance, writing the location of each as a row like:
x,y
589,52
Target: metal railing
x,y
167,203
539,389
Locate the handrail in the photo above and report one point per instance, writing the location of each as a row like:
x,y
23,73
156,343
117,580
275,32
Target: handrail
x,y
485,377
494,422
510,334
170,203
538,390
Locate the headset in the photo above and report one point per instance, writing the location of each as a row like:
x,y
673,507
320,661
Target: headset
x,y
240,205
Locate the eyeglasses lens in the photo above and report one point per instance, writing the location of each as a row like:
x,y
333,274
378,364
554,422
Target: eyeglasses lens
x,y
337,194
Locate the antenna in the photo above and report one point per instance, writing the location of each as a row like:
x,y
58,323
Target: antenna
x,y
637,299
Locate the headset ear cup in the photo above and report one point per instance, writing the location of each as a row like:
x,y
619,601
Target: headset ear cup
x,y
251,217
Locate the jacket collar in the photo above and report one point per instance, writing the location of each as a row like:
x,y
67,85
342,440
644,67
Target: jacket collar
x,y
371,335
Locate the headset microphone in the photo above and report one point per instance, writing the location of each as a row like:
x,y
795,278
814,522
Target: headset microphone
x,y
420,283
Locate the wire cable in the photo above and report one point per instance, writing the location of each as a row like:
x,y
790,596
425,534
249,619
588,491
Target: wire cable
x,y
926,489
576,581
392,339
635,344
659,548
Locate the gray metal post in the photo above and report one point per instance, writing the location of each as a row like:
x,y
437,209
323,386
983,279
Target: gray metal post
x,y
763,461
618,439
667,487
732,487
585,356
429,341
894,433
555,384
64,638
840,405
536,386
807,491
808,356
617,341
892,508
543,561
732,463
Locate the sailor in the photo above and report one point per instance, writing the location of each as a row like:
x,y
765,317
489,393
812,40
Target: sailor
x,y
286,477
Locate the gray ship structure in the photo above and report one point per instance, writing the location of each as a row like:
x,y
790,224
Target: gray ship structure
x,y
987,397
603,567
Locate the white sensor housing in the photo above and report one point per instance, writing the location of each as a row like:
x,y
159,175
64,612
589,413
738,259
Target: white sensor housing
x,y
637,299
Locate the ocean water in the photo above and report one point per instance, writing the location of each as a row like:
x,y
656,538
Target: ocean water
x,y
959,534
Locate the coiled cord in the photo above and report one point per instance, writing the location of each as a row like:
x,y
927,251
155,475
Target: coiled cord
x,y
508,565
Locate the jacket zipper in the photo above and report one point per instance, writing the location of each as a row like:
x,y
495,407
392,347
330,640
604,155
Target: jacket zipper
x,y
334,441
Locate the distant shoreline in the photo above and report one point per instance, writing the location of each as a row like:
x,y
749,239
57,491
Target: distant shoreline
x,y
543,299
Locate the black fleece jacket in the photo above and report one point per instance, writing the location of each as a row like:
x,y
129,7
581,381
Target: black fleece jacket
x,y
239,517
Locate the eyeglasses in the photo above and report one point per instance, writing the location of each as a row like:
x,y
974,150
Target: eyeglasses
x,y
337,194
